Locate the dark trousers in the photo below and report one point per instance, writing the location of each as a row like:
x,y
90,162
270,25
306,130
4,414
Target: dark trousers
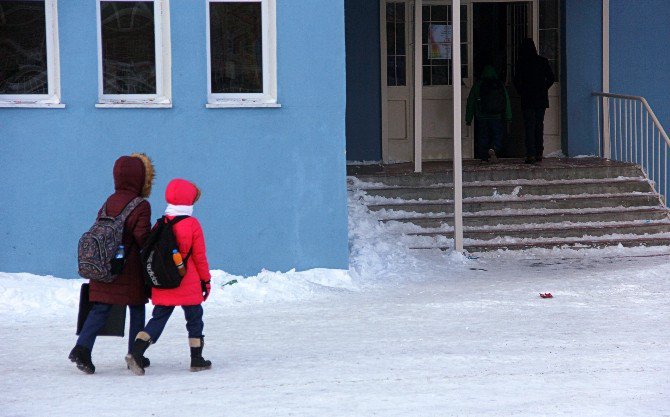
x,y
533,120
489,133
161,314
98,317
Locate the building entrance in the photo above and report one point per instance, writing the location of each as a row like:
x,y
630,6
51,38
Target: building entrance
x,y
491,33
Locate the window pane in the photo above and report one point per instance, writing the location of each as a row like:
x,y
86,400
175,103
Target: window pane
x,y
236,47
438,13
128,47
400,70
549,15
390,38
390,12
390,71
440,75
400,39
23,49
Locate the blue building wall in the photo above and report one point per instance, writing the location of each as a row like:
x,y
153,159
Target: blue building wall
x,y
582,75
364,134
640,52
273,180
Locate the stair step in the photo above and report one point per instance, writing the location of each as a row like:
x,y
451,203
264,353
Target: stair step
x,y
559,231
549,216
591,186
524,203
507,173
573,243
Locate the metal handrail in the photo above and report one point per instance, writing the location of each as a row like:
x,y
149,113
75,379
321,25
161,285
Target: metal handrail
x,y
624,135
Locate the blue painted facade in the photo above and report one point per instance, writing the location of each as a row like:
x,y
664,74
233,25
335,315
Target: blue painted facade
x,y
640,52
582,75
639,58
364,135
273,180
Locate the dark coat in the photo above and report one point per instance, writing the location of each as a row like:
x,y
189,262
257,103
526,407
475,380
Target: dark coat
x,y
132,178
533,77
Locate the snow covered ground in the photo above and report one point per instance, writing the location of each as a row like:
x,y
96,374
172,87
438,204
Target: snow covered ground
x,y
402,333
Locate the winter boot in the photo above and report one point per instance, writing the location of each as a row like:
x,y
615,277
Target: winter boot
x,y
145,361
198,363
135,359
492,156
82,357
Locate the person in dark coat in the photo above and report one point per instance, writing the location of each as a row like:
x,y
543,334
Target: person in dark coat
x,y
133,177
532,78
488,103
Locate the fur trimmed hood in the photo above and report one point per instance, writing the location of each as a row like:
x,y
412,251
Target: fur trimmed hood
x,y
149,173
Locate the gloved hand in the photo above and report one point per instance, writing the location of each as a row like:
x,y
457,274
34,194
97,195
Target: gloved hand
x,y
206,288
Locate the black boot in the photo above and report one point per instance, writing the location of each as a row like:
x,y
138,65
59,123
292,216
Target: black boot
x,y
135,359
82,357
198,363
145,361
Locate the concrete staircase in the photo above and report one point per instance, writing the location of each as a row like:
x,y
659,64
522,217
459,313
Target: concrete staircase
x,y
508,205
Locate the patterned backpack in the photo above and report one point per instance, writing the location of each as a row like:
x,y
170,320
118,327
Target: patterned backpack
x,y
99,245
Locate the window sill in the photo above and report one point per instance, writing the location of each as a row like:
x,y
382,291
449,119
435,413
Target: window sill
x,y
241,104
133,105
9,104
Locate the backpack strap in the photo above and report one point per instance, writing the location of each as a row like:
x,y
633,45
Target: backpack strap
x,y
174,221
132,205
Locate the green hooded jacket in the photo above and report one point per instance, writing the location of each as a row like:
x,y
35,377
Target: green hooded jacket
x,y
472,109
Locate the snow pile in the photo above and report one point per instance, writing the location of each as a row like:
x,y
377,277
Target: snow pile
x,y
270,286
28,294
379,253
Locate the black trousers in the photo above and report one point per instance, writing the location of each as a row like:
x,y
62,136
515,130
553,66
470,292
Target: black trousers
x,y
533,120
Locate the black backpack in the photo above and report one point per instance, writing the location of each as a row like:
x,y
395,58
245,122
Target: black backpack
x,y
492,97
158,266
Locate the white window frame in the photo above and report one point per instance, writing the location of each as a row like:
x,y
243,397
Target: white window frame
x,y
268,98
163,96
53,97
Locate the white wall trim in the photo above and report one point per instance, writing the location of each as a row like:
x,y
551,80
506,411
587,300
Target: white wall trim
x,y
53,97
133,105
11,104
269,53
231,104
458,120
418,86
163,96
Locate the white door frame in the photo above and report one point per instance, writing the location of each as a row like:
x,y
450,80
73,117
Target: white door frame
x,y
417,84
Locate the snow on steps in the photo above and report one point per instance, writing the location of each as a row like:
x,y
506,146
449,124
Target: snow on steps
x,y
562,203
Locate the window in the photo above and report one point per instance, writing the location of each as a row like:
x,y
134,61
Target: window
x,y
550,34
29,67
395,44
241,53
437,46
134,54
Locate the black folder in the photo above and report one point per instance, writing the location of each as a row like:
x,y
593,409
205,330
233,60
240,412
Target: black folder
x,y
116,321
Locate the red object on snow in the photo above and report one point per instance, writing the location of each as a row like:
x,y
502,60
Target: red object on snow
x,y
546,295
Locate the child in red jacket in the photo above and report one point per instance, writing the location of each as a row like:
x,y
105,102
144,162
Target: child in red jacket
x,y
194,288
